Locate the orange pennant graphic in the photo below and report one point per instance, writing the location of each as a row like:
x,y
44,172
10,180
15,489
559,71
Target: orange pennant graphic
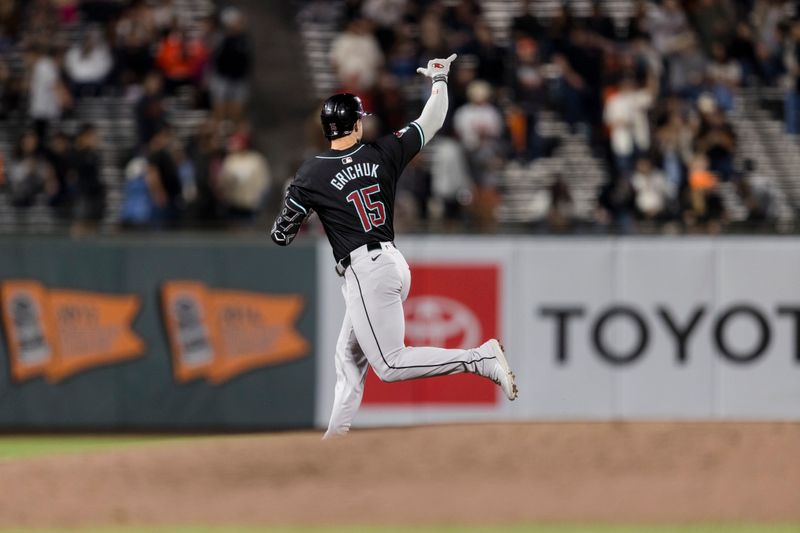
x,y
255,330
219,334
57,333
93,329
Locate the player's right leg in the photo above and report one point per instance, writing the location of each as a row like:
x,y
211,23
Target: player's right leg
x,y
374,291
351,372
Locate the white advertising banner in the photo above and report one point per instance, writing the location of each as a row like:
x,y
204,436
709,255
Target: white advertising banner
x,y
692,328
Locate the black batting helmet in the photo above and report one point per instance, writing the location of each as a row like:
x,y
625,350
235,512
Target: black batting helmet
x,y
340,113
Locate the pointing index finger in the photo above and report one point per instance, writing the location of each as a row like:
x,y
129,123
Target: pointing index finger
x,y
452,58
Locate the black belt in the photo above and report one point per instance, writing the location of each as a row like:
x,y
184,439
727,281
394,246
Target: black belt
x,y
342,265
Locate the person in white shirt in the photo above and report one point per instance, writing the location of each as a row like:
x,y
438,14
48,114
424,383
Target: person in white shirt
x,y
478,122
45,91
626,116
88,65
451,185
244,179
653,191
356,56
480,125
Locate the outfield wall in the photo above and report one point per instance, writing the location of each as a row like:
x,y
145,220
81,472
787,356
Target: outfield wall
x,y
220,333
659,328
156,334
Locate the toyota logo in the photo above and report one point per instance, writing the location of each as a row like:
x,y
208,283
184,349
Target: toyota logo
x,y
441,321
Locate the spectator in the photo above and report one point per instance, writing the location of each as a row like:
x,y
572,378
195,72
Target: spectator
x,y
580,75
479,125
90,191
714,20
10,14
27,171
386,15
716,138
668,27
134,35
674,144
356,56
402,59
460,20
207,151
652,190
451,187
626,116
491,57
244,179
181,59
725,76
756,193
745,51
616,205
88,64
231,67
768,16
9,90
687,70
59,186
47,95
414,195
432,38
705,203
559,213
792,63
138,208
528,92
163,181
150,110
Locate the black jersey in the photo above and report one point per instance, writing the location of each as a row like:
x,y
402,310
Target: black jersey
x,y
352,191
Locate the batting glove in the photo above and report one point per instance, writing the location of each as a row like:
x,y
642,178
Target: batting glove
x,y
438,68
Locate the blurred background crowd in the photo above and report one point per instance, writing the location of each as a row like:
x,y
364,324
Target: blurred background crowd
x,y
66,64
649,86
566,116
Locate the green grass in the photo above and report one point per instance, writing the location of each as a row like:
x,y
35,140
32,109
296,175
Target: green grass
x,y
714,528
20,447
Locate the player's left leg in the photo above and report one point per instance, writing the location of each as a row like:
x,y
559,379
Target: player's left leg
x,y
376,286
351,372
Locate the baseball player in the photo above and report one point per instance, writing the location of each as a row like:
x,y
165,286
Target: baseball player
x,y
352,188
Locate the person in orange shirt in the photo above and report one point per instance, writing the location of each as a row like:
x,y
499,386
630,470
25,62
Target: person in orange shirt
x,y
700,178
181,59
706,208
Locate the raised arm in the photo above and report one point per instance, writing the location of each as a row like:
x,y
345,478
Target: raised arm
x,y
435,110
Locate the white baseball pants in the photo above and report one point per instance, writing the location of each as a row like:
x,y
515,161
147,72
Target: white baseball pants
x,y
375,285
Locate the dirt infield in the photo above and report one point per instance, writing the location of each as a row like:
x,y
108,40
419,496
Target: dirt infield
x,y
476,474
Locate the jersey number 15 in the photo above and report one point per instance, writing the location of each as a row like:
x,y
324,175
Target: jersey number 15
x,y
371,212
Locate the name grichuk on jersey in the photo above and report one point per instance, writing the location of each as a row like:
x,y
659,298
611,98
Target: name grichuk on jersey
x,y
352,191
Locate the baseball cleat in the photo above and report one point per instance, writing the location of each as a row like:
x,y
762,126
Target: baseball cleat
x,y
500,372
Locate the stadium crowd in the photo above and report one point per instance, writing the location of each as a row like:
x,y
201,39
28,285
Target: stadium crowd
x,y
652,94
154,59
